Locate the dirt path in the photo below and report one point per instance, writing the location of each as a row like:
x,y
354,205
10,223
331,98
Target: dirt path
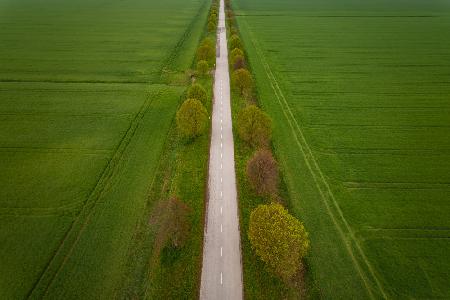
x,y
222,269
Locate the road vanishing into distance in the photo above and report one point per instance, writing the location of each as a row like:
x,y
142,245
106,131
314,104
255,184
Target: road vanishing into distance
x,y
222,268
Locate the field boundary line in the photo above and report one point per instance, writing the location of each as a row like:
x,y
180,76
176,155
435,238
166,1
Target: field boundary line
x,y
311,160
97,192
73,81
41,211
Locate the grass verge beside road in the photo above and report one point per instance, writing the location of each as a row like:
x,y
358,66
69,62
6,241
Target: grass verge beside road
x,y
259,282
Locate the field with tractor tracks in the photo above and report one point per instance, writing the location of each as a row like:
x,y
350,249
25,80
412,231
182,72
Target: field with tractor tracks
x,y
359,96
88,93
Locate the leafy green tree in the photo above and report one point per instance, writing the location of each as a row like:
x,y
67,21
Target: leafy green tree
x,y
243,81
207,42
202,67
236,52
278,238
238,62
235,42
205,53
254,126
192,118
207,50
230,24
196,91
211,26
212,17
262,173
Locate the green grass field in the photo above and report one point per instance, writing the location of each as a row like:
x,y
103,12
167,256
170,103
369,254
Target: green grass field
x,y
88,92
359,94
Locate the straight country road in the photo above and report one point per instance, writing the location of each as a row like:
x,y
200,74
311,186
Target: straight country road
x,y
222,268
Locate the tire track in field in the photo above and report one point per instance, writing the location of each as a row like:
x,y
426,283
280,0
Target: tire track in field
x,y
61,255
73,81
319,178
66,209
105,179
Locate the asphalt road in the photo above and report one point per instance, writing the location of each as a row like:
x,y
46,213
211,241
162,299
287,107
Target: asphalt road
x,y
222,269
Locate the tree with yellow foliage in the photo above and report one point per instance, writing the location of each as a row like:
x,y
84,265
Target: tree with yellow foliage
x,y
278,238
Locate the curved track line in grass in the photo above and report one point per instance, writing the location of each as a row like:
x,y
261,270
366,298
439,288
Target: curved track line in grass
x,y
319,177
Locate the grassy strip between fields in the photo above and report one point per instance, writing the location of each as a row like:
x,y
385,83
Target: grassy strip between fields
x,y
259,281
174,272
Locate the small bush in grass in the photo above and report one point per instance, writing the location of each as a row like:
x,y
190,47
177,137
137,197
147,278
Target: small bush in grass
x,y
212,18
233,30
243,81
202,67
235,42
230,23
170,220
207,42
211,26
262,173
254,126
278,238
196,91
236,52
205,52
238,62
192,118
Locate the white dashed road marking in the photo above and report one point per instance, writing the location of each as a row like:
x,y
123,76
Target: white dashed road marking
x,y
222,168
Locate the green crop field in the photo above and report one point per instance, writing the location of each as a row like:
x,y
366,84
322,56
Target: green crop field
x,y
88,92
359,92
